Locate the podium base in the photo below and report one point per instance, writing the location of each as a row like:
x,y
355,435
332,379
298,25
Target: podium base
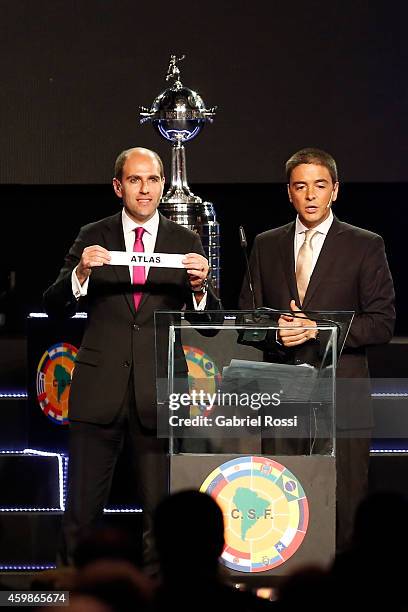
x,y
296,519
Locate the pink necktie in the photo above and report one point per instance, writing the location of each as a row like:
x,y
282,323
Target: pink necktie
x,y
139,273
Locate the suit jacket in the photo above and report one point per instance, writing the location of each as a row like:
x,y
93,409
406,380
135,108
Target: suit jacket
x,y
351,273
118,340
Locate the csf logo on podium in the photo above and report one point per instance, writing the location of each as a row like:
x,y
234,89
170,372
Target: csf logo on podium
x,y
203,375
266,512
53,382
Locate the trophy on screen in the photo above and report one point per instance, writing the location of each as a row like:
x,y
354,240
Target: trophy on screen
x,y
179,114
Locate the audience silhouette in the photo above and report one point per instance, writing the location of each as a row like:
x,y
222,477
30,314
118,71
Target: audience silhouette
x,y
189,534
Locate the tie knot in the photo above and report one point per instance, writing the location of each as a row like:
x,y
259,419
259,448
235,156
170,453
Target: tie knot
x,y
309,235
139,232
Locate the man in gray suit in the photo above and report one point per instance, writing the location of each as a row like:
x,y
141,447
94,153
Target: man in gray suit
x,y
113,390
320,263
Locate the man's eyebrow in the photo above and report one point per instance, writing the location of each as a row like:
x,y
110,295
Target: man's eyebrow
x,y
138,176
322,180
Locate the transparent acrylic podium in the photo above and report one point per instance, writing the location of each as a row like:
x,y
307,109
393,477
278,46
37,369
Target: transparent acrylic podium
x,y
253,424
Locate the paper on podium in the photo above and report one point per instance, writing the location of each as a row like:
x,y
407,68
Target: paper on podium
x,y
294,383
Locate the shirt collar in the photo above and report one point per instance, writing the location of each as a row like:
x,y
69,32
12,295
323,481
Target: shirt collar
x,y
151,226
322,228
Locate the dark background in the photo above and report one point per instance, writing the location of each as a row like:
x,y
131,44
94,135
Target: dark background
x,y
48,219
284,75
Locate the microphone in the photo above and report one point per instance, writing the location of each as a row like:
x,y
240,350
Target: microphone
x,y
244,246
257,338
331,199
242,237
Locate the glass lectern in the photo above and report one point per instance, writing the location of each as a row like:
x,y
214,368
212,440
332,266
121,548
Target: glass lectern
x,y
252,423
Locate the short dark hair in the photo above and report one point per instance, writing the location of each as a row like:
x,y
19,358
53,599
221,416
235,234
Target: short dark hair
x,y
175,528
312,156
122,157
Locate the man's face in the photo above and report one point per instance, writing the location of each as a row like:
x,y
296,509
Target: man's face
x,y
311,191
141,186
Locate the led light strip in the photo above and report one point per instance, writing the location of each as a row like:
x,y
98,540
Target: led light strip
x,y
26,509
24,395
62,483
394,451
389,394
13,395
61,479
44,566
43,315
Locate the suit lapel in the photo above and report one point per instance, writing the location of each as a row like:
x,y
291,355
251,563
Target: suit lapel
x,y
288,260
325,261
115,241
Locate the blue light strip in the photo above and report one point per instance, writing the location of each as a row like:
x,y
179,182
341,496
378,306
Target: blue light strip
x,y
60,457
43,566
22,393
389,395
13,394
27,509
122,511
393,451
43,315
64,479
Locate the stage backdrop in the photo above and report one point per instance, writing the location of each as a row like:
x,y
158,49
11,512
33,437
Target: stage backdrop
x,y
284,75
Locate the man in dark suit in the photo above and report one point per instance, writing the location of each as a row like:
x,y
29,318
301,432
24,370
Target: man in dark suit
x,y
113,390
319,263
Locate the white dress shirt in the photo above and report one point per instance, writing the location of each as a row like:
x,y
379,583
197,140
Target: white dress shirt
x,y
317,240
151,228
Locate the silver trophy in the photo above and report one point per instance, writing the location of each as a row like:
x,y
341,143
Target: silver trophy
x,y
179,115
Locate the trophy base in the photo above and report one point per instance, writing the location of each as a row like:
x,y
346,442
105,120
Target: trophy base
x,y
200,218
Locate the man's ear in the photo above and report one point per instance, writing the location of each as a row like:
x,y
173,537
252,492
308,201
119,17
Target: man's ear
x,y
289,196
117,187
162,187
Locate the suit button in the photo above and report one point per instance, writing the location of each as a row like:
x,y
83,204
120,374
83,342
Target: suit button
x,y
135,327
126,364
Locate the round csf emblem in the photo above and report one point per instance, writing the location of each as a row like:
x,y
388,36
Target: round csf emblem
x,y
266,512
54,373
